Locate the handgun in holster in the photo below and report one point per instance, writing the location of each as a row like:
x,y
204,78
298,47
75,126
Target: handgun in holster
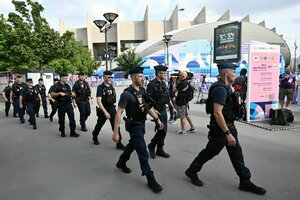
x,y
128,123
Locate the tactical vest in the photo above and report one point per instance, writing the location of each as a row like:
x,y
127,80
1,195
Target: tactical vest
x,y
109,95
16,88
231,107
83,91
30,95
139,110
42,90
7,90
65,89
160,94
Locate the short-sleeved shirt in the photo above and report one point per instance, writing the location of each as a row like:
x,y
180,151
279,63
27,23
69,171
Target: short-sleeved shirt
x,y
82,90
41,89
101,92
59,87
51,89
288,83
7,91
171,88
30,94
219,95
181,96
17,88
107,94
126,98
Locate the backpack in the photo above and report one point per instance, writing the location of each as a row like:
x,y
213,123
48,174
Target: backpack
x,y
281,117
190,93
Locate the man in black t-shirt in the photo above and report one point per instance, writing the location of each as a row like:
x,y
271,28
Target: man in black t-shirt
x,y
42,90
222,106
106,99
6,95
17,87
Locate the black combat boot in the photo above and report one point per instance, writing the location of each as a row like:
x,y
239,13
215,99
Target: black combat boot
x,y
155,187
120,146
247,185
22,121
160,151
151,148
83,128
95,140
34,126
37,115
122,165
51,118
74,134
46,116
6,114
193,176
62,132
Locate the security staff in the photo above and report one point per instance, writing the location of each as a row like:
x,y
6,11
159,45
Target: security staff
x,y
6,95
64,98
106,99
42,90
83,94
133,100
31,100
52,101
15,96
158,91
223,106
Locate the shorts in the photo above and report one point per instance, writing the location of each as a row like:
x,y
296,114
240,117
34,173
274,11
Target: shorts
x,y
182,111
285,92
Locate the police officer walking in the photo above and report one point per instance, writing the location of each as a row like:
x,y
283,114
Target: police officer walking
x,y
15,98
83,94
31,101
133,100
64,97
158,91
6,95
51,100
106,99
42,90
223,106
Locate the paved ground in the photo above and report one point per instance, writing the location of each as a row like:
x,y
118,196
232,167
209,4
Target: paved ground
x,y
40,165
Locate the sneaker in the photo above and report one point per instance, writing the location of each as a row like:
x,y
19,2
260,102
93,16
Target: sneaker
x,y
287,108
181,132
192,130
173,122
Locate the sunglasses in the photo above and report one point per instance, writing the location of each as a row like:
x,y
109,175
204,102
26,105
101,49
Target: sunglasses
x,y
109,77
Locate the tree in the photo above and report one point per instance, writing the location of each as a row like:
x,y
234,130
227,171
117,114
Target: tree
x,y
128,60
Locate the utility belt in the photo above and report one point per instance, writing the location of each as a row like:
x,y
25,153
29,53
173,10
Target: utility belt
x,y
215,129
129,122
100,112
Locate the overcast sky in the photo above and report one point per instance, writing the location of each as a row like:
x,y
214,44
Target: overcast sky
x,y
282,14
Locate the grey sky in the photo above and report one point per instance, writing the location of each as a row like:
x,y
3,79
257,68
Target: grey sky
x,y
282,14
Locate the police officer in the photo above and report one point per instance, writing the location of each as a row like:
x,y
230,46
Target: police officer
x,y
6,95
63,96
51,100
15,98
42,90
158,91
222,105
133,100
83,94
31,100
106,99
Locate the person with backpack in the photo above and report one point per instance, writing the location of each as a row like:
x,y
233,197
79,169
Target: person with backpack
x,y
287,87
184,92
240,84
223,106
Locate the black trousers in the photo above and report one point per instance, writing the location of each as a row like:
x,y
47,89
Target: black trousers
x,y
53,108
216,143
30,108
7,107
102,119
16,104
62,110
137,143
160,135
44,103
84,110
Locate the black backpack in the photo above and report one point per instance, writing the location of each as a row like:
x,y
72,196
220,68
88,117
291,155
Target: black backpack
x,y
190,93
281,117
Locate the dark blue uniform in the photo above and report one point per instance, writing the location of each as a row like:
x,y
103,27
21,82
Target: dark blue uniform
x,y
7,90
16,90
31,102
53,104
42,91
172,95
108,100
83,92
158,91
136,129
64,105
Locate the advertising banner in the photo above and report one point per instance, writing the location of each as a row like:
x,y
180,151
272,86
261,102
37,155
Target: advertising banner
x,y
263,81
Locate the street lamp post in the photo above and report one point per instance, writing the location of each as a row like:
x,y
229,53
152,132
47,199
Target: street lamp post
x,y
295,58
104,27
166,40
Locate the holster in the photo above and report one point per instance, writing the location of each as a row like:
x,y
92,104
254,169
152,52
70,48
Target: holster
x,y
128,123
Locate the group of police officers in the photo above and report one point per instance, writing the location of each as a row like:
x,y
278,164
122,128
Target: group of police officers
x,y
137,102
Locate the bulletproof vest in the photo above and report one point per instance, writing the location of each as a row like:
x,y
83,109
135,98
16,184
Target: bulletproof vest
x,y
108,95
160,94
30,95
139,109
231,107
7,92
17,87
63,88
42,90
83,90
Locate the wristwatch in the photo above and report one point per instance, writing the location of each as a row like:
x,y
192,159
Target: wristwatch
x,y
227,132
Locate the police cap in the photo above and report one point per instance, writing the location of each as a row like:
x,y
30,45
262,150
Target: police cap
x,y
160,68
136,70
226,65
62,74
81,73
40,79
28,80
55,79
107,73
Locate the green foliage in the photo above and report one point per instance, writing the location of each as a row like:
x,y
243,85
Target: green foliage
x,y
128,60
27,41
